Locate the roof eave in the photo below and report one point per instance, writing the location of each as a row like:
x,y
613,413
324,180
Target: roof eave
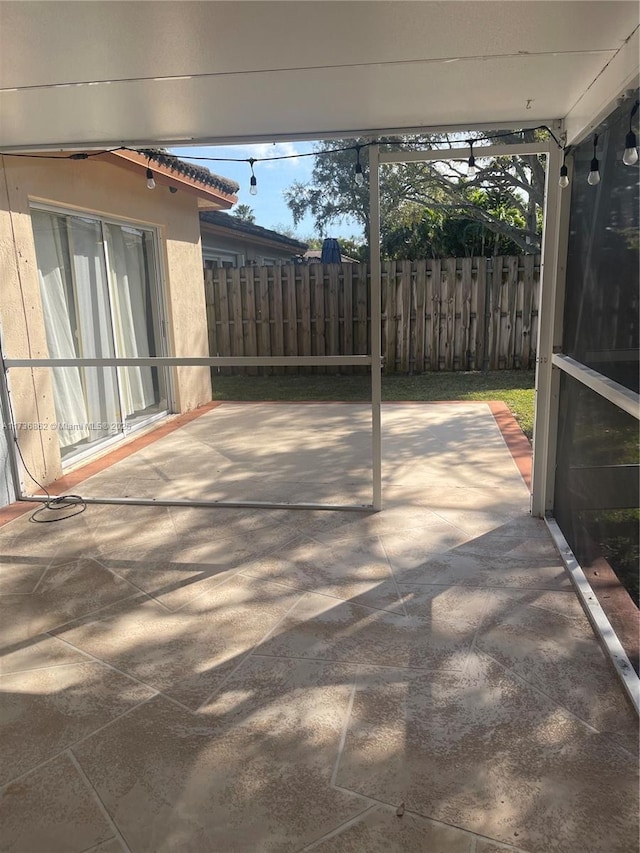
x,y
209,198
214,228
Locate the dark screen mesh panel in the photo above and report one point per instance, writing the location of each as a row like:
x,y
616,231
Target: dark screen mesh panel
x,y
597,479
601,304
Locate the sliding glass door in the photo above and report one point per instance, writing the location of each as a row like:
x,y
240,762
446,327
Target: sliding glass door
x,y
100,299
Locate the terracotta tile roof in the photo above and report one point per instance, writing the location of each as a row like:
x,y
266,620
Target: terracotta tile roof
x,y
189,170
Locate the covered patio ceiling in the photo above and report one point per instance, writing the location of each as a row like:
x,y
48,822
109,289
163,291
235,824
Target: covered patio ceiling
x,y
96,74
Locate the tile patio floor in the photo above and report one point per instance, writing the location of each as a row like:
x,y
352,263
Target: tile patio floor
x,y
184,680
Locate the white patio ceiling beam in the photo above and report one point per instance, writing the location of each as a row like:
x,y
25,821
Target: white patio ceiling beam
x,y
171,73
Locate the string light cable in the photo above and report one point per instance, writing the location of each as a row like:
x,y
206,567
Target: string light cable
x,y
53,504
630,155
359,175
253,183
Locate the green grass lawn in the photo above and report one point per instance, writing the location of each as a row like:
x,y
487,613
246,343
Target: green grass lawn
x,y
514,387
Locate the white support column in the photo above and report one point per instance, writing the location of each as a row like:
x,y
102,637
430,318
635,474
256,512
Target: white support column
x,y
550,322
376,340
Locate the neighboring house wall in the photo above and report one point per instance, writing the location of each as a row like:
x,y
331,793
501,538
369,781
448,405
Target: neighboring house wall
x,y
243,251
228,241
99,189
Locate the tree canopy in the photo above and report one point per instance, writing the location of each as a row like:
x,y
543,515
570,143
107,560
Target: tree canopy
x,y
244,212
430,209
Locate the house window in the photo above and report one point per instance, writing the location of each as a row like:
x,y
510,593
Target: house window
x,y
269,262
100,299
214,259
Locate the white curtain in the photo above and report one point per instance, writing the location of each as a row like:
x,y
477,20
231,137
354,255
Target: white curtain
x,y
59,316
131,315
94,325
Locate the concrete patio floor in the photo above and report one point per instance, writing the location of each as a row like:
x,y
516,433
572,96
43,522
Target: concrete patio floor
x,y
180,680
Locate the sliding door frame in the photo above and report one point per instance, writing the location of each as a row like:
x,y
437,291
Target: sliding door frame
x,y
161,328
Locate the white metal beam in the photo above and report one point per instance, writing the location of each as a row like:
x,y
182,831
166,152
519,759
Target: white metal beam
x,y
517,149
376,330
622,397
562,248
597,617
197,361
193,503
544,424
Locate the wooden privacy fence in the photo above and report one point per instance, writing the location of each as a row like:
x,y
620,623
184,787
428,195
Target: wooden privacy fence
x,y
451,314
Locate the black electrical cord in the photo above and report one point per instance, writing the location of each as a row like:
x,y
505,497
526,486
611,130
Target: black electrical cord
x,y
52,504
252,160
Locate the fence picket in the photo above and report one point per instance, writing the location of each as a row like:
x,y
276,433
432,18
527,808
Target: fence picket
x,y
347,313
420,293
527,307
362,313
436,312
305,302
480,344
464,324
320,333
447,336
389,287
333,314
250,332
224,336
494,327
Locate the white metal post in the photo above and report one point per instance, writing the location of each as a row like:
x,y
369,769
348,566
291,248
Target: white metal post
x,y
552,272
9,428
376,338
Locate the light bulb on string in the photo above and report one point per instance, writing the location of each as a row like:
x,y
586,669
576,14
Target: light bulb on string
x,y
151,184
564,173
359,178
630,156
471,165
253,183
594,168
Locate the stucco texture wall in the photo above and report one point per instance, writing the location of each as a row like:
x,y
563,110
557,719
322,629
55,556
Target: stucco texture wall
x,y
102,189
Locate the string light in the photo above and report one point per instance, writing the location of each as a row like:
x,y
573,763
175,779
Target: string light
x,y
564,172
630,156
564,176
253,183
594,168
471,166
359,179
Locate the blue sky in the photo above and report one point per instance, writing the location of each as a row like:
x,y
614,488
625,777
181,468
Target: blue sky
x,y
268,205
